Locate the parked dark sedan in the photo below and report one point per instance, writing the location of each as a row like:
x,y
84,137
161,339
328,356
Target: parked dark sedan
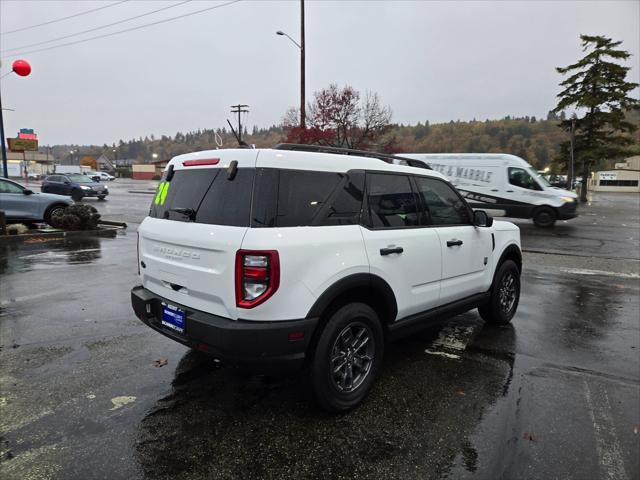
x,y
74,185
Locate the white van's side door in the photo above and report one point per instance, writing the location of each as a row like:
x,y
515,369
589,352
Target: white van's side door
x,y
466,249
402,251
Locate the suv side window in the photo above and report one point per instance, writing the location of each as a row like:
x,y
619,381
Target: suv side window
x,y
521,178
391,201
301,196
298,198
442,202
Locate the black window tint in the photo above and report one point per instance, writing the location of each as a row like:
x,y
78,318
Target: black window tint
x,y
391,201
343,208
228,202
442,202
265,198
302,196
296,198
521,178
185,191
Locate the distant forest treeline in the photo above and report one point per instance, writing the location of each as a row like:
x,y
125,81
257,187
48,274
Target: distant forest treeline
x,y
537,141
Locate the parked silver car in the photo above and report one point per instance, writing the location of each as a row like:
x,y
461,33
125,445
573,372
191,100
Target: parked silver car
x,y
23,205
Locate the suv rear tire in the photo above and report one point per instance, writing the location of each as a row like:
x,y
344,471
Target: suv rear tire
x,y
505,295
347,358
76,195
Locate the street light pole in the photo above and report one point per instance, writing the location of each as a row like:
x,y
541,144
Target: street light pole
x,y
5,169
23,69
301,46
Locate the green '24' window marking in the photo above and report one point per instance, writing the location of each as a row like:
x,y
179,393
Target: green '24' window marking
x,y
163,188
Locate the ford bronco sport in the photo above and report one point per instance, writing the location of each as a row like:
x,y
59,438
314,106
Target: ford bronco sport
x,y
311,257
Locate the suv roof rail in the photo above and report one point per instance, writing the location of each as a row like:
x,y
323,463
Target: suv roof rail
x,y
385,157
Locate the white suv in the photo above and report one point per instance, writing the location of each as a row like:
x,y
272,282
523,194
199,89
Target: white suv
x,y
312,257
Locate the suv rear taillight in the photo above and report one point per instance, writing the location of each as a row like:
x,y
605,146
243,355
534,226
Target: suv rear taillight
x,y
257,276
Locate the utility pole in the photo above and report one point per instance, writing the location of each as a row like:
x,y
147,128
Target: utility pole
x,y
239,109
303,108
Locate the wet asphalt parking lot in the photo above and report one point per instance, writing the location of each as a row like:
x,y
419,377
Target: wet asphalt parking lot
x,y
88,391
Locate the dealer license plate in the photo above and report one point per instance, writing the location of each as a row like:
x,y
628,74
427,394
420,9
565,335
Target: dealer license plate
x,y
173,318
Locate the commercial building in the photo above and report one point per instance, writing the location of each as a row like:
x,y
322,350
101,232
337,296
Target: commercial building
x,y
624,178
35,163
143,171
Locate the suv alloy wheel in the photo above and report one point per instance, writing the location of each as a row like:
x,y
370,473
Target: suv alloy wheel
x,y
347,358
505,295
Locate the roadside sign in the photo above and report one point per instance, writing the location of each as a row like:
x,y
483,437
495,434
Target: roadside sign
x,y
22,144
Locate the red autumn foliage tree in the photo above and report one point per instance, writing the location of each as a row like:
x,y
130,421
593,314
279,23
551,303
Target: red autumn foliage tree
x,y
338,117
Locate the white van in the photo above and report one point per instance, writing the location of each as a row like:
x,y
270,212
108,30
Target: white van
x,y
503,183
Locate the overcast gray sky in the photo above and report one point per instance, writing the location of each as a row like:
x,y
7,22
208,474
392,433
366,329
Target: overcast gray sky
x,y
435,61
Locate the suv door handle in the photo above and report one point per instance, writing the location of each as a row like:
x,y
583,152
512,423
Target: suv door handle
x,y
454,243
390,250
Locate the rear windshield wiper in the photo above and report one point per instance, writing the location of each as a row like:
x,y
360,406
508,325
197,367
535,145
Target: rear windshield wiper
x,y
190,213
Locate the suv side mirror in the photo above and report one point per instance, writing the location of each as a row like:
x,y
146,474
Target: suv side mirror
x,y
482,219
26,191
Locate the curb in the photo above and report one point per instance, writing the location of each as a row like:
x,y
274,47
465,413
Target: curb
x,y
110,231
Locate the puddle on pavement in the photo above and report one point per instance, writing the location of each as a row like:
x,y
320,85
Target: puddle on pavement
x,y
24,257
452,341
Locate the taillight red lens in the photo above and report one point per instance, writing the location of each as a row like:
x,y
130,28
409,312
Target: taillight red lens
x,y
257,276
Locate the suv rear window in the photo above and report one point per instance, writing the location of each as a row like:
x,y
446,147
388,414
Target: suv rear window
x,y
297,198
205,195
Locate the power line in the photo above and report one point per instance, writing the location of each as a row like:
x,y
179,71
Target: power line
x,y
125,30
96,28
64,18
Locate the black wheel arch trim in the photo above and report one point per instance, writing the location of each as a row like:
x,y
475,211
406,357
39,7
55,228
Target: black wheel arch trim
x,y
357,280
511,250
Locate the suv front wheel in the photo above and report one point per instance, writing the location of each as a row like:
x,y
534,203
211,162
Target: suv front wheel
x,y
505,295
347,358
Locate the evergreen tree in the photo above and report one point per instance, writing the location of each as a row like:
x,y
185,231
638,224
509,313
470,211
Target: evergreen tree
x,y
597,86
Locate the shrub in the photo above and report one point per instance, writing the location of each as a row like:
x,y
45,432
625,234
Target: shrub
x,y
78,216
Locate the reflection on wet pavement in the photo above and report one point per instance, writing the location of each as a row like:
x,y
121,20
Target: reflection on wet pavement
x,y
47,253
217,423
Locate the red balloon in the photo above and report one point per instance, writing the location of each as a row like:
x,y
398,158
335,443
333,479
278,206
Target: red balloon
x,y
21,67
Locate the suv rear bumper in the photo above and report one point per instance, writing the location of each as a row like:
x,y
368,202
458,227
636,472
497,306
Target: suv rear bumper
x,y
261,346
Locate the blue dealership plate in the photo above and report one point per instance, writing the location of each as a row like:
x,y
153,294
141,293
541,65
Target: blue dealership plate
x,y
173,318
